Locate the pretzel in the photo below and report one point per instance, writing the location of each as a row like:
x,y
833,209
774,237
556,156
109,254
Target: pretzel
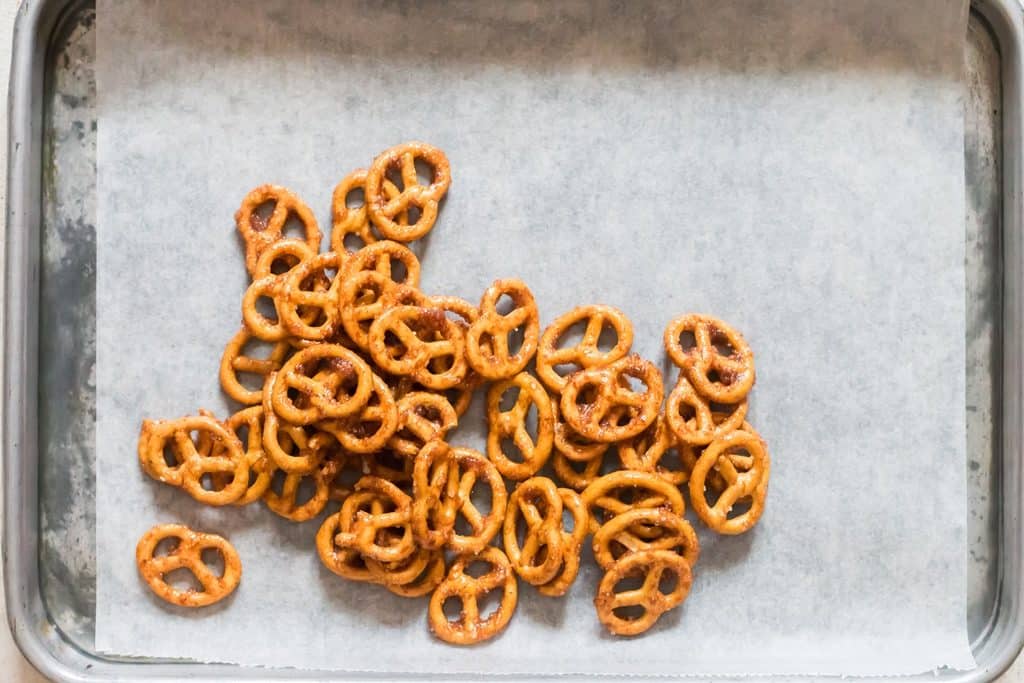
x,y
435,495
430,576
187,554
302,290
372,427
487,341
471,627
615,493
191,464
361,300
381,257
691,419
646,451
295,449
383,210
345,562
586,353
234,362
423,334
328,394
511,424
369,535
718,377
577,474
272,269
572,543
570,444
616,537
541,554
474,467
286,504
259,233
350,220
600,390
745,477
422,417
261,467
651,565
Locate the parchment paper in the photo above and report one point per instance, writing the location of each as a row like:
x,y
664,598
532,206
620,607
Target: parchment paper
x,y
793,167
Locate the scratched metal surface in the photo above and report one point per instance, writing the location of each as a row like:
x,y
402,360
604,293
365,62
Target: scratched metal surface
x,y
68,313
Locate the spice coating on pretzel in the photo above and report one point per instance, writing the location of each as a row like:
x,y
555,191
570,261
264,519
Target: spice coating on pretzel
x,y
187,554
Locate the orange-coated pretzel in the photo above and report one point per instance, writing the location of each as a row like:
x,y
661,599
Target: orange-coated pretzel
x,y
474,467
591,396
689,455
329,394
571,445
382,257
234,362
435,495
287,505
617,536
540,556
572,544
511,424
423,334
691,419
192,461
383,210
586,353
295,449
471,627
370,429
345,562
431,574
260,233
348,220
272,270
372,531
651,565
302,291
719,377
487,341
361,300
646,452
261,468
741,459
187,554
577,474
422,417
623,490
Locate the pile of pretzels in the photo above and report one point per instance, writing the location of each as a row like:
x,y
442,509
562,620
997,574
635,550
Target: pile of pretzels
x,y
362,379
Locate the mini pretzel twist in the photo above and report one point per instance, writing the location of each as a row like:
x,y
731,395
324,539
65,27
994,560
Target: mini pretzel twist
x,y
259,233
734,370
617,536
371,530
572,544
361,300
471,627
435,489
187,555
234,362
268,283
474,468
586,353
345,562
294,449
297,298
423,334
383,210
191,464
741,460
383,257
261,467
512,424
422,417
651,565
646,452
691,419
541,554
329,393
487,341
354,220
370,429
430,576
591,395
286,504
618,492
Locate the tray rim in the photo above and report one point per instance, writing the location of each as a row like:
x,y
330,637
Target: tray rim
x,y
52,655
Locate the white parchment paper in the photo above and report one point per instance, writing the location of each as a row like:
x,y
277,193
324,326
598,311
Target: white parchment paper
x,y
793,167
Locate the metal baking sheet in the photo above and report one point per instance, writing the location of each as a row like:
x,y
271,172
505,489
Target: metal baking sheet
x,y
49,403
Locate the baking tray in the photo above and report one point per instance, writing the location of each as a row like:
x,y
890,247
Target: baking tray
x,y
50,325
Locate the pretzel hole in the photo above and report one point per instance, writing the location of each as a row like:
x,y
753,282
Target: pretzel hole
x,y
266,308
412,215
452,608
170,454
636,384
630,612
166,546
425,173
283,263
399,273
356,198
687,340
565,369
509,399
353,242
393,345
714,376
608,339
505,304
631,582
213,558
182,579
668,582
294,228
259,219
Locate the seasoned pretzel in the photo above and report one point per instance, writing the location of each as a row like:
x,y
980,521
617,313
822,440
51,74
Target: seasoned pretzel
x,y
474,467
286,504
590,397
272,270
617,536
372,533
540,556
192,462
691,419
382,257
234,362
577,474
741,460
348,220
383,210
430,576
703,362
435,495
623,490
261,468
295,449
471,627
423,335
187,554
487,341
571,445
361,300
259,233
646,452
302,290
345,562
327,392
651,565
422,417
511,424
586,353
572,543
370,429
